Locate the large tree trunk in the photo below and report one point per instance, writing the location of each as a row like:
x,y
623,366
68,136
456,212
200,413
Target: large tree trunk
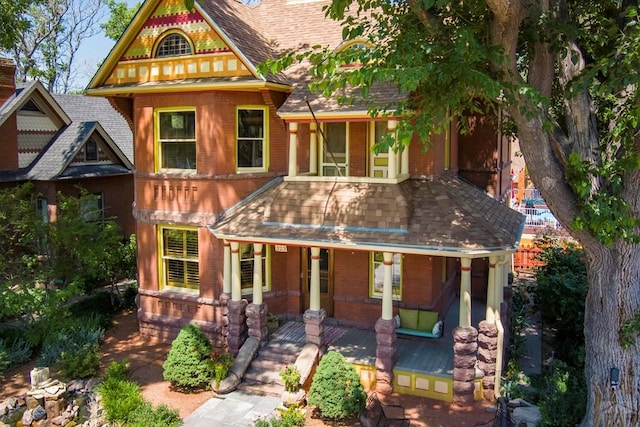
x,y
613,298
613,272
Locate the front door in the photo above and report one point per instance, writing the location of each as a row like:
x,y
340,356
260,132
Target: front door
x,y
326,279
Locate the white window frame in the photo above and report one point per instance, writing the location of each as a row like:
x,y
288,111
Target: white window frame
x,y
329,162
264,138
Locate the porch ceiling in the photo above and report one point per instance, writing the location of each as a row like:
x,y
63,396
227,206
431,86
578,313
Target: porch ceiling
x,y
443,214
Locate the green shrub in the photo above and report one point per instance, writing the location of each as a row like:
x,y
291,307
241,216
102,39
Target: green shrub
x,y
70,340
563,396
287,417
121,399
82,363
188,365
336,388
123,403
161,416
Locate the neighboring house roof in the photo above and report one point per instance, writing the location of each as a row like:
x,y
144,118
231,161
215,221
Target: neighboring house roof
x,y
426,216
24,92
83,117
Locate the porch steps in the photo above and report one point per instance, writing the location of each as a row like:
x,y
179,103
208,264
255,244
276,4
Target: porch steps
x,y
263,376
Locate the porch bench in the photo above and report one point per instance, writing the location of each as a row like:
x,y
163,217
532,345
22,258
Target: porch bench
x,y
419,323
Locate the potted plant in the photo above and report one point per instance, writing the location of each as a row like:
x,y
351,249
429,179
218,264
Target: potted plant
x,y
293,394
273,322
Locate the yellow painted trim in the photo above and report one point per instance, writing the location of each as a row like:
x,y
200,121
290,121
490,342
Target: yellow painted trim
x,y
143,14
348,43
161,38
266,280
160,254
378,295
265,139
156,138
126,91
431,380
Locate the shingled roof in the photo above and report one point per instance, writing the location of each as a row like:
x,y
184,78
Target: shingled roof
x,y
425,216
85,116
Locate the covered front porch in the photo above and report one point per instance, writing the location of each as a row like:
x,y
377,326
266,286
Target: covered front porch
x,y
423,366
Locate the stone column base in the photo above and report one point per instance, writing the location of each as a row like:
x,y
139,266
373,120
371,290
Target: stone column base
x,y
257,321
487,346
385,355
237,329
465,345
313,326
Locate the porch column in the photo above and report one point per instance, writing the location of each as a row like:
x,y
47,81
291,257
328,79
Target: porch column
x,y
488,333
314,317
237,317
465,343
386,332
404,164
314,297
257,310
293,149
503,264
387,287
465,293
392,171
313,149
226,269
236,289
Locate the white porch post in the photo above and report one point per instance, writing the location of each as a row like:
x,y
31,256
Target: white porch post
x,y
387,287
392,171
313,149
236,289
257,273
404,165
293,149
492,290
226,268
314,298
501,281
465,293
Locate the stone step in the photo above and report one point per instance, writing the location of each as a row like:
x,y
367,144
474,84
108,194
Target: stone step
x,y
261,374
280,349
279,355
261,389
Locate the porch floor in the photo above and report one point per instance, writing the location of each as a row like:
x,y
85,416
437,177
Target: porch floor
x,y
433,356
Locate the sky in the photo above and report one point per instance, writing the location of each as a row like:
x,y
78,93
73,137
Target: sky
x,y
92,52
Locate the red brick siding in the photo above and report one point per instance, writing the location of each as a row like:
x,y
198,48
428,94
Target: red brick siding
x,y
9,132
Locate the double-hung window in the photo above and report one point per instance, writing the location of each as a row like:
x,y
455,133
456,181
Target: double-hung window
x,y
246,268
335,149
176,139
251,144
376,275
179,257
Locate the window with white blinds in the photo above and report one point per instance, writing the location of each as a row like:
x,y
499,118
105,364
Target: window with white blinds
x,y
180,267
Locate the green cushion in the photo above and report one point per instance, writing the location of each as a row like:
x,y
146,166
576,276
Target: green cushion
x,y
426,320
408,318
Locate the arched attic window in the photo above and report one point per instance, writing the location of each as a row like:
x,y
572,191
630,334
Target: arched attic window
x,y
351,48
173,44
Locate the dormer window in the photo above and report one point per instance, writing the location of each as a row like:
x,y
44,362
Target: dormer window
x,y
173,45
91,151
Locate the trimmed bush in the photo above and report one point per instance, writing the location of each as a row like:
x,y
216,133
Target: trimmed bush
x,y
161,416
188,365
83,363
336,388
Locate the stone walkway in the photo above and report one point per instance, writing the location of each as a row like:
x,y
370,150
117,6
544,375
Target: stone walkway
x,y
236,409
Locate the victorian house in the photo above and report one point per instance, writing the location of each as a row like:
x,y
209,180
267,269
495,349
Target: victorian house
x,y
64,143
253,194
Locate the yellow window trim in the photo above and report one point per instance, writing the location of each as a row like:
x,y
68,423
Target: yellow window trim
x,y
397,295
156,138
266,280
161,264
265,140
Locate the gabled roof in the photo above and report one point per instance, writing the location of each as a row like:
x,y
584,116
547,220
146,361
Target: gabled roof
x,y
26,91
254,34
84,117
427,216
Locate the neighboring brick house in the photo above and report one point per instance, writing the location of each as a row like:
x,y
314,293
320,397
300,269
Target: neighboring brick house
x,y
247,202
63,142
